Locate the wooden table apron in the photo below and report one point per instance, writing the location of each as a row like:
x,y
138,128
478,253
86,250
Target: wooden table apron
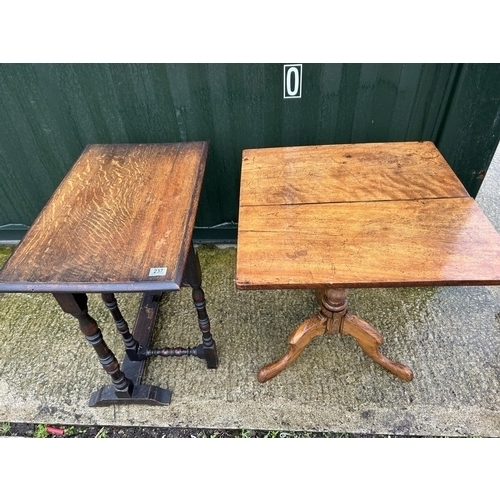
x,y
333,217
120,221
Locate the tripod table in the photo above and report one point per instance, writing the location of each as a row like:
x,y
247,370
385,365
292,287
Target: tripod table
x,y
333,217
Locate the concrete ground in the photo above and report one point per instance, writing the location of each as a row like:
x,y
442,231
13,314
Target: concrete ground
x,y
449,336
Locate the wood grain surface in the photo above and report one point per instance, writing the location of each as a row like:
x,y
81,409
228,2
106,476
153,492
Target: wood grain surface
x,y
346,172
120,211
387,243
394,215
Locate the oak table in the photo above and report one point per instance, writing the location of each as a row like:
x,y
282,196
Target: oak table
x,y
120,221
334,217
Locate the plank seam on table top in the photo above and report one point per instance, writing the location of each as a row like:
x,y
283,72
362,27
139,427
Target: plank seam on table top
x,y
353,201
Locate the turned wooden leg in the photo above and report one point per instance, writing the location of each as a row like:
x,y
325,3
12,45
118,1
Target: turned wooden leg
x,y
334,318
121,325
76,305
192,277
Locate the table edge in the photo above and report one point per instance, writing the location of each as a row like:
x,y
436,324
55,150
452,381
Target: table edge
x,y
69,287
375,284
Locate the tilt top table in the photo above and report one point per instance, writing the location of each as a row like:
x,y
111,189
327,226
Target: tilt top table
x,y
342,216
120,221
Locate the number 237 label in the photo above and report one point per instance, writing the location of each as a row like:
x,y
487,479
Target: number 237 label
x,y
157,271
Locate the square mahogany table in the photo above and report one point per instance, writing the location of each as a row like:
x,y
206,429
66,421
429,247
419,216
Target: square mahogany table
x,y
358,215
121,221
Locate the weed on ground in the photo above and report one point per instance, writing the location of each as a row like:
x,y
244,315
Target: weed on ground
x,y
27,430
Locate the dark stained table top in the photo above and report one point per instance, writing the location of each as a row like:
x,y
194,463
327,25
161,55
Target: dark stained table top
x,y
121,220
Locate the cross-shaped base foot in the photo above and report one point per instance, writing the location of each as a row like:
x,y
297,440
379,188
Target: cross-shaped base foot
x,y
334,318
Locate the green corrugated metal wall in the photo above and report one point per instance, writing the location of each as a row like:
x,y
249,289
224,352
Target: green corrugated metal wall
x,y
49,112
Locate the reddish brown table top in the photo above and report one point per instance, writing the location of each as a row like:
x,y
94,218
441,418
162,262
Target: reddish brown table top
x,y
359,215
122,219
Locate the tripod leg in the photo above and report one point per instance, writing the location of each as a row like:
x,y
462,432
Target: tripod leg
x,y
370,340
297,341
